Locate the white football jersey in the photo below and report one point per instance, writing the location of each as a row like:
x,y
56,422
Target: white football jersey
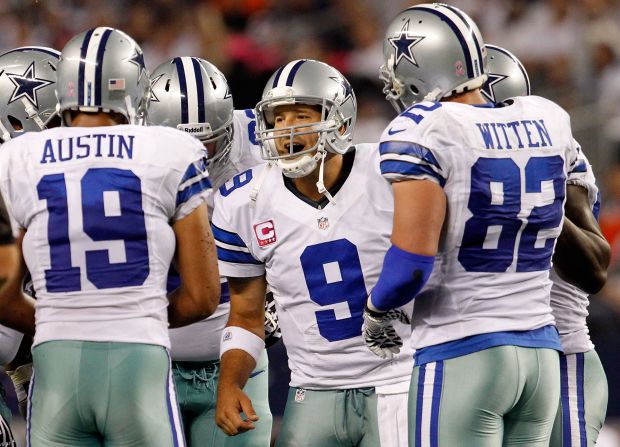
x,y
10,340
504,171
320,260
97,204
569,303
201,341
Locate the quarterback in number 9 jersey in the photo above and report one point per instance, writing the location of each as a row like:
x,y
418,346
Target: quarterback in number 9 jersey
x,y
318,262
121,232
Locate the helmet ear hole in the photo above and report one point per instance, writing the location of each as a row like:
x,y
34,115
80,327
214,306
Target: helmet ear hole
x,y
15,122
414,89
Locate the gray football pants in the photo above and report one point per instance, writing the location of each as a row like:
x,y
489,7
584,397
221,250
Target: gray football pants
x,y
583,402
502,396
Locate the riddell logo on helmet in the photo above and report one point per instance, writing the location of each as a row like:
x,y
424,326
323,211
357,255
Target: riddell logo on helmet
x,y
265,233
193,129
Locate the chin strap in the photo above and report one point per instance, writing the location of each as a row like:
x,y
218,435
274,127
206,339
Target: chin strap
x,y
33,114
259,183
6,135
320,184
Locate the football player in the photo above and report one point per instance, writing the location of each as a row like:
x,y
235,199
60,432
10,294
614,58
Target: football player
x,y
9,268
313,224
27,104
191,94
101,204
584,392
478,202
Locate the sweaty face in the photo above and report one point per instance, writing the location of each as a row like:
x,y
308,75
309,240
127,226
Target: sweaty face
x,y
286,116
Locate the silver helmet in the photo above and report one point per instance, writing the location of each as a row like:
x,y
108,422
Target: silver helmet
x,y
507,76
27,83
430,52
102,70
307,82
192,95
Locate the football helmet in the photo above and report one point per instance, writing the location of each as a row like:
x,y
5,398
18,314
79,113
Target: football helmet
x,y
192,95
102,70
307,82
27,83
430,52
507,76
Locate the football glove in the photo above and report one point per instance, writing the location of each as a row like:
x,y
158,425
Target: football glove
x,y
272,327
379,333
21,381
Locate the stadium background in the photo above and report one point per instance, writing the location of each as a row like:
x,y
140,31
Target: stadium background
x,y
571,49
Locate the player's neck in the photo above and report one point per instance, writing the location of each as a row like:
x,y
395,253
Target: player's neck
x,y
307,185
472,97
97,119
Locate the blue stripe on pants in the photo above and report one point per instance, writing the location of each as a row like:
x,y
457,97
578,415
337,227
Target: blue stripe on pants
x,y
429,419
569,406
420,405
581,412
437,385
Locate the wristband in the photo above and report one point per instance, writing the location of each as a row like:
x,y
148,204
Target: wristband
x,y
235,337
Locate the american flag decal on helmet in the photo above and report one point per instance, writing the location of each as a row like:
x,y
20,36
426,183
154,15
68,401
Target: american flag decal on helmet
x,y
116,84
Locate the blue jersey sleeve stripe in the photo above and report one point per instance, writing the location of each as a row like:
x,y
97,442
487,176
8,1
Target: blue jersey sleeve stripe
x,y
227,237
238,257
409,169
192,190
404,148
194,170
580,167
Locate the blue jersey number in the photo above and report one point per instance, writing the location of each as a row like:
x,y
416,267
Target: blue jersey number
x,y
124,222
495,201
334,275
416,117
251,126
237,181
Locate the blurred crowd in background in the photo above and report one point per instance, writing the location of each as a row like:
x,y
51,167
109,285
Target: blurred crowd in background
x,y
571,49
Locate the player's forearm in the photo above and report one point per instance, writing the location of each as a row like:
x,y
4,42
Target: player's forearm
x,y
186,307
17,310
236,366
582,257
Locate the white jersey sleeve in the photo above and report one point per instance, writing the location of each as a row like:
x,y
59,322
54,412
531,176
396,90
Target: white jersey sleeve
x,y
97,204
10,340
320,260
504,171
232,228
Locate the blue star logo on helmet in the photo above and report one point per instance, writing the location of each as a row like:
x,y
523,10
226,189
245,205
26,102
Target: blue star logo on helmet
x,y
138,59
154,81
488,88
26,85
346,87
403,45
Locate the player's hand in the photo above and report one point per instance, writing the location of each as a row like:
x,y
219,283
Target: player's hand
x,y
21,381
231,402
272,326
379,333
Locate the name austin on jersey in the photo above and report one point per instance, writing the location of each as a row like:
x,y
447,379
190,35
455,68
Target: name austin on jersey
x,y
515,134
83,146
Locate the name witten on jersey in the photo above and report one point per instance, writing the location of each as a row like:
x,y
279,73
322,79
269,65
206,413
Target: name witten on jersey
x,y
503,170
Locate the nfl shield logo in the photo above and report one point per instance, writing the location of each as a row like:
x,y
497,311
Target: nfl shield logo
x,y
323,223
300,395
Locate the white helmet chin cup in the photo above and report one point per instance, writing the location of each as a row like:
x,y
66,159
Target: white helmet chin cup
x,y
299,167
